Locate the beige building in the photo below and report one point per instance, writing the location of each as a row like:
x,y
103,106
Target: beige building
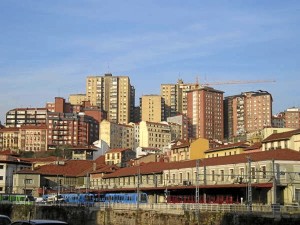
x,y
113,94
152,108
175,97
156,135
119,156
9,138
117,135
226,176
180,151
33,138
77,99
289,139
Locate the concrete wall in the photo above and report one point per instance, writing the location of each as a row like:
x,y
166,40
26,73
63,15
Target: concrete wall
x,y
93,216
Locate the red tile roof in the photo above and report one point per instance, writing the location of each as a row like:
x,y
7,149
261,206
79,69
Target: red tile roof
x,y
44,159
180,144
256,145
281,136
228,146
106,169
70,168
159,167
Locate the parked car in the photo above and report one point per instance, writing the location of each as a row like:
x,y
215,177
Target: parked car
x,y
39,222
5,220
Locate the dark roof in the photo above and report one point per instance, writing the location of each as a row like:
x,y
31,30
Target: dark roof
x,y
159,167
281,136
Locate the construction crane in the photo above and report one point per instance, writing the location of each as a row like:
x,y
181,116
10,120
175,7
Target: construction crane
x,y
237,82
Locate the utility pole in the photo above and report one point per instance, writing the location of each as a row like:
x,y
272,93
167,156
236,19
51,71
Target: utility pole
x,y
197,182
249,186
138,189
274,183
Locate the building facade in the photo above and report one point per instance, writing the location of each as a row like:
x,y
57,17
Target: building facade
x,y
113,94
292,118
247,112
71,129
152,108
175,97
9,138
154,135
33,138
205,113
26,116
117,135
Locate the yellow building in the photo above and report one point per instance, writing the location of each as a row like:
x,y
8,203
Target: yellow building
x,y
175,96
119,156
117,135
77,99
227,149
152,108
198,148
113,94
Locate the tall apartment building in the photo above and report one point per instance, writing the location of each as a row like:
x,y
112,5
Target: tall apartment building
x,y
292,118
25,116
73,129
247,112
152,108
116,135
205,113
113,94
175,96
154,135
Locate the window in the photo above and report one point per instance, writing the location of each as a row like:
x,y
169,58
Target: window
x,y
213,175
264,172
1,166
1,177
222,175
28,181
253,172
231,171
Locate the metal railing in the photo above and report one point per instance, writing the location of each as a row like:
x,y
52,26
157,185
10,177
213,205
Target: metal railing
x,y
181,208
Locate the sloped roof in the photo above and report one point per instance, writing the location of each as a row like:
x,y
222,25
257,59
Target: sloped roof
x,y
281,136
159,167
256,145
228,146
180,144
106,169
70,168
44,159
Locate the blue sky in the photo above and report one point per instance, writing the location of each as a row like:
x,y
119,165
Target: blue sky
x,y
49,47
